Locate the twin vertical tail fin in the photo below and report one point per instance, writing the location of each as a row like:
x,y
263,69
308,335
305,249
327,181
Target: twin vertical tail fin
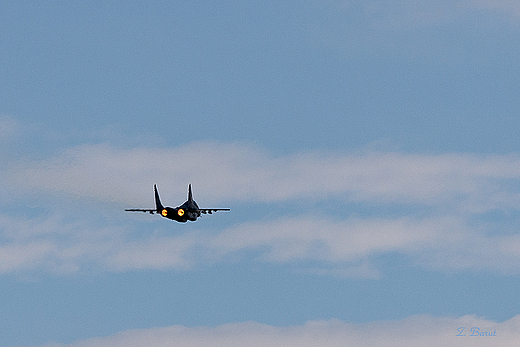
x,y
159,207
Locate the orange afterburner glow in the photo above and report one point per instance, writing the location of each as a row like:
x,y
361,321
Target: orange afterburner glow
x,y
164,212
180,212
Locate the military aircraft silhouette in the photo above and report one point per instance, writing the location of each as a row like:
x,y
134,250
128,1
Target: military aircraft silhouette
x,y
189,211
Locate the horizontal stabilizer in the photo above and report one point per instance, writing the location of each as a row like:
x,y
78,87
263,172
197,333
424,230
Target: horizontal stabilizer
x,y
211,210
140,210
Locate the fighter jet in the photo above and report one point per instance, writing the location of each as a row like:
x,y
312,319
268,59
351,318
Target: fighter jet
x,y
189,211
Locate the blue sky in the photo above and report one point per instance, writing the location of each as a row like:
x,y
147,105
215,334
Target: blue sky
x,y
368,151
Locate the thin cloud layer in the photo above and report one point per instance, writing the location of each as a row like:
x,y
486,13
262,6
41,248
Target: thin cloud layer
x,y
510,7
9,127
53,244
385,27
415,331
441,228
345,248
226,172
406,13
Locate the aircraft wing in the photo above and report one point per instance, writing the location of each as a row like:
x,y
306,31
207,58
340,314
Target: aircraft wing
x,y
151,211
211,210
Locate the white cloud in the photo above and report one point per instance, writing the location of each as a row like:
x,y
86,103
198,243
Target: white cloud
x,y
415,331
167,252
453,189
226,172
53,244
344,248
314,238
440,243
